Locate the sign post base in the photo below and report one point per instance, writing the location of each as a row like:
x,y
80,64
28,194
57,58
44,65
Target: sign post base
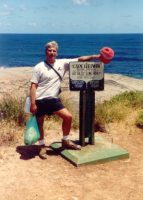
x,y
103,151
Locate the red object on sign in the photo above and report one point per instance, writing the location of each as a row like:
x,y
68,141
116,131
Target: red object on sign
x,y
106,54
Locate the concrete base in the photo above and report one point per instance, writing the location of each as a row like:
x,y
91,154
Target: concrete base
x,y
102,151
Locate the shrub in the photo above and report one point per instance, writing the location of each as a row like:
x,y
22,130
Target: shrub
x,y
12,109
114,110
139,119
119,107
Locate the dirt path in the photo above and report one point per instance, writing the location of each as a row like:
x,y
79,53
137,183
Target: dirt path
x,y
25,176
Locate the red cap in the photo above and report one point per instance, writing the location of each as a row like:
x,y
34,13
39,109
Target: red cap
x,y
106,54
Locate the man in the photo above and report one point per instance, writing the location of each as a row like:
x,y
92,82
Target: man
x,y
45,87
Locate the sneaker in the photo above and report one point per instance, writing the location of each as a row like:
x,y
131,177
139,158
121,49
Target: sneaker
x,y
68,144
43,152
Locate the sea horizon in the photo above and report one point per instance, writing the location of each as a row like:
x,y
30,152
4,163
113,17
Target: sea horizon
x,y
72,33
27,49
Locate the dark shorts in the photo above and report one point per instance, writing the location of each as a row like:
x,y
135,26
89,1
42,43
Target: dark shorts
x,y
48,106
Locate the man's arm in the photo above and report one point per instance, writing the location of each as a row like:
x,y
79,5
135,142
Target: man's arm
x,y
88,58
33,107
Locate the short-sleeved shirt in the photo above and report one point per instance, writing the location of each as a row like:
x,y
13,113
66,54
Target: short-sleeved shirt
x,y
47,79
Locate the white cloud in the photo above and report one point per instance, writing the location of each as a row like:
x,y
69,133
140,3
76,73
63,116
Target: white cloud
x,y
81,2
7,10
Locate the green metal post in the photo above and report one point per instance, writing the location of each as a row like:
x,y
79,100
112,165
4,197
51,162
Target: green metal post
x,y
82,110
87,116
90,115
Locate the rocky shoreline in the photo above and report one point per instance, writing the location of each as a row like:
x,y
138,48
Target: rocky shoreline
x,y
16,81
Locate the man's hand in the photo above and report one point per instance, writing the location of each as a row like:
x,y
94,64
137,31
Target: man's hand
x,y
33,108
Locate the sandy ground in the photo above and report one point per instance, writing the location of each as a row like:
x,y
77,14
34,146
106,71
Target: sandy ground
x,y
23,175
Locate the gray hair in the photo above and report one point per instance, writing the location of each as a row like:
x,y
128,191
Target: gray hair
x,y
52,43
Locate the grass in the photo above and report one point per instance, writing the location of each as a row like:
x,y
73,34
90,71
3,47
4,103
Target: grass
x,y
11,109
139,119
12,117
117,109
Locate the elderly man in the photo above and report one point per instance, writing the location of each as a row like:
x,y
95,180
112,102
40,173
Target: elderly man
x,y
45,87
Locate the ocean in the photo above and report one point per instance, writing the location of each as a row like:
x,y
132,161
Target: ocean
x,y
18,50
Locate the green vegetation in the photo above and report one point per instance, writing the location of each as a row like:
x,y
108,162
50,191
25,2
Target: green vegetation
x,y
11,109
119,107
139,119
115,110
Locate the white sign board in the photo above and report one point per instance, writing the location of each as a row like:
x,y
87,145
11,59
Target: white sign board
x,y
86,73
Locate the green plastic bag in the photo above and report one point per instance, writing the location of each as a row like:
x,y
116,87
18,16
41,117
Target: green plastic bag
x,y
31,134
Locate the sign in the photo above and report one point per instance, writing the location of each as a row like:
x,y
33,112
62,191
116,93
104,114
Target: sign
x,y
86,75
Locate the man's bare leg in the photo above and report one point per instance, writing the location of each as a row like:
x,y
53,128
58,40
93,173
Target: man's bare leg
x,y
40,122
66,127
67,120
42,151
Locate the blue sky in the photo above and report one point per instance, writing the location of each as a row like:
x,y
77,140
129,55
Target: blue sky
x,y
71,16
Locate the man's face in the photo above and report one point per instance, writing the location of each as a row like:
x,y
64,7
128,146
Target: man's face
x,y
51,54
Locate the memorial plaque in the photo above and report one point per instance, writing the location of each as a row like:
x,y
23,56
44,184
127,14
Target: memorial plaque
x,y
86,75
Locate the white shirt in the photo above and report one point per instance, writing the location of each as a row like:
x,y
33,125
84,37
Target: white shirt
x,y
47,79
